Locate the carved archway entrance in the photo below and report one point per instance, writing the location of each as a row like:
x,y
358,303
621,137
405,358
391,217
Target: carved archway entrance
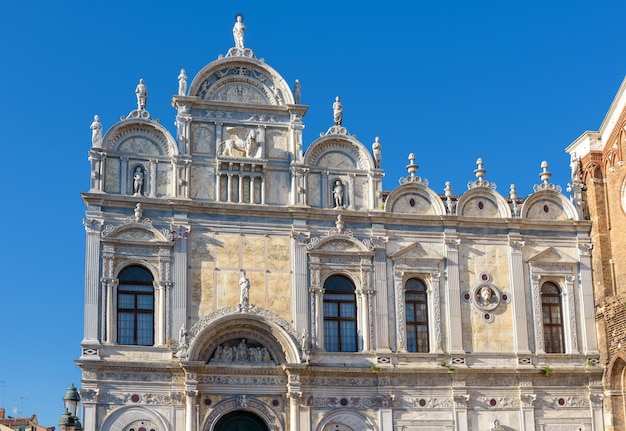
x,y
240,420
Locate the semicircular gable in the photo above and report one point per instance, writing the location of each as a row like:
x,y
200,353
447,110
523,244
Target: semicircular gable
x,y
338,153
548,205
241,80
482,202
135,232
208,334
140,137
121,418
338,243
414,199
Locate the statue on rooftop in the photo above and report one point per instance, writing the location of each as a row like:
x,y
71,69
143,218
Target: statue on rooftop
x,y
337,112
238,30
574,165
377,151
297,92
142,95
96,132
182,83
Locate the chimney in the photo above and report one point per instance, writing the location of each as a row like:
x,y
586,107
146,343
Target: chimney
x,y
1,413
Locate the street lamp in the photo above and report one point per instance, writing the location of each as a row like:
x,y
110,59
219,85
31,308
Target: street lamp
x,y
69,419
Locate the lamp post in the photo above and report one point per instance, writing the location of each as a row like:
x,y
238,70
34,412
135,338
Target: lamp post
x,y
69,419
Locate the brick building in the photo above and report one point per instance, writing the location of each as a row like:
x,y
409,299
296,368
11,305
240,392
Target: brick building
x,y
599,186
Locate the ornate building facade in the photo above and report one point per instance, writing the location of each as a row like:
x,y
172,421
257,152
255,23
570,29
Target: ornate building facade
x,y
238,278
599,176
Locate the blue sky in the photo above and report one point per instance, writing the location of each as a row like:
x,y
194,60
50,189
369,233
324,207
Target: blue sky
x,y
513,82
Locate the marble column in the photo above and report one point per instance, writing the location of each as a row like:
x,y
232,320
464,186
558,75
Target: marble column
x,y
453,296
93,227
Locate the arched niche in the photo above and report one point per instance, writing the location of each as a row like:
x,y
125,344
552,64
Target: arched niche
x,y
121,419
418,199
239,403
616,381
140,137
548,205
241,80
482,202
260,327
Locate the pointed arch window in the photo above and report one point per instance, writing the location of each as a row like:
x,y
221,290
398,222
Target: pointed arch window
x,y
340,318
416,311
135,307
552,313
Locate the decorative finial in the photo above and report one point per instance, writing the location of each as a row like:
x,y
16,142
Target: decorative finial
x,y
182,83
339,224
513,196
544,174
142,95
238,30
377,151
412,167
479,172
138,212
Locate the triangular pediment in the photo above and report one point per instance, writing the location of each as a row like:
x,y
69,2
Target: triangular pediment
x,y
415,252
553,256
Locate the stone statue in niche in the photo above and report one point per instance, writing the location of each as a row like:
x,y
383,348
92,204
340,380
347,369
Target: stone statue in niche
x,y
377,152
182,82
238,30
142,95
337,112
137,181
247,146
244,289
96,132
242,351
338,194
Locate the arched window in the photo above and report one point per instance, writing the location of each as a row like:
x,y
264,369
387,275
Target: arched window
x,y
340,332
552,312
135,307
416,307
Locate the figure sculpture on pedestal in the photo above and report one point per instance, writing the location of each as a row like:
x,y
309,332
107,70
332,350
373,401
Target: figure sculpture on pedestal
x,y
377,151
182,83
238,30
142,95
244,291
338,194
337,112
96,132
137,181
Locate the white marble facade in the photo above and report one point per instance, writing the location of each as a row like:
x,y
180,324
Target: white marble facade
x,y
235,188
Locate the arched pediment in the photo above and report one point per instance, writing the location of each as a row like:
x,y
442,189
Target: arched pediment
x,y
137,232
338,243
120,419
242,403
548,205
261,327
140,137
482,202
412,198
241,80
343,153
